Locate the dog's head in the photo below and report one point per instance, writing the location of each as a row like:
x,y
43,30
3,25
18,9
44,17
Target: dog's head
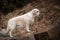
x,y
36,12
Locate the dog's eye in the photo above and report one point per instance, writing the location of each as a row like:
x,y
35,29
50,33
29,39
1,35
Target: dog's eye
x,y
37,11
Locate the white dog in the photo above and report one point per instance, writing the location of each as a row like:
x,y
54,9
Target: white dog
x,y
22,21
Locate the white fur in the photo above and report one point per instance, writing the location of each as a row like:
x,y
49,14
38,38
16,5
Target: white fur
x,y
22,21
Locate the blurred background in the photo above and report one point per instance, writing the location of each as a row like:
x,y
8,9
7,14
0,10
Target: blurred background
x,y
47,26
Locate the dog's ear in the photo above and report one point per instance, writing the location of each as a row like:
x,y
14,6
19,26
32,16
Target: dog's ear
x,y
34,12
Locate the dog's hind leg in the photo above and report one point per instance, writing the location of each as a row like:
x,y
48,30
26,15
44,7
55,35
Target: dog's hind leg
x,y
10,33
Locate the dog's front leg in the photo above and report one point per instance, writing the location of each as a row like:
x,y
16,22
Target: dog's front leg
x,y
27,28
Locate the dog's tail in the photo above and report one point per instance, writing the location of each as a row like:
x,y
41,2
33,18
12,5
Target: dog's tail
x,y
7,30
3,31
